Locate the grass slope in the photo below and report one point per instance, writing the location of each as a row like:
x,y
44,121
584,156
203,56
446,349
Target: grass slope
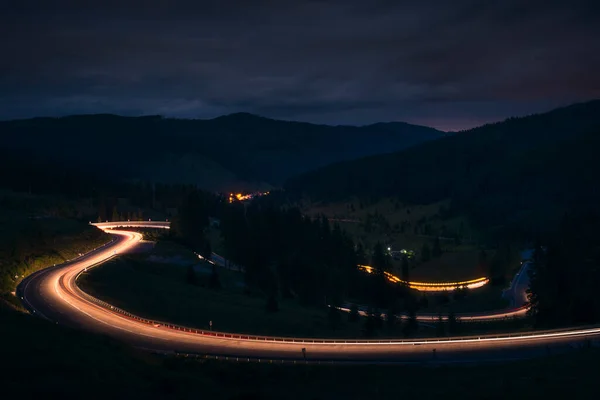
x,y
158,290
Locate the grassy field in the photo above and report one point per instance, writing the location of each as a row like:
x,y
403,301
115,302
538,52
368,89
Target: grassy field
x,y
410,227
413,216
396,224
450,266
159,291
482,299
73,364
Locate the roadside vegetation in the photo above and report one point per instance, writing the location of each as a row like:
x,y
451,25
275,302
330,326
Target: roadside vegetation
x,y
34,235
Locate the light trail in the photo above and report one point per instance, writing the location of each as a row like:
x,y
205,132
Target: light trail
x,y
472,317
431,286
54,292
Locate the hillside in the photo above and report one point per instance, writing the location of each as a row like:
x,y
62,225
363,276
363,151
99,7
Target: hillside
x,y
217,154
500,173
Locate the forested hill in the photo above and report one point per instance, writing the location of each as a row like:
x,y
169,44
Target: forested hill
x,y
518,169
214,154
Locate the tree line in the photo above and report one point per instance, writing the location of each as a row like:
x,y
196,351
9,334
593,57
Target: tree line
x,y
565,274
288,255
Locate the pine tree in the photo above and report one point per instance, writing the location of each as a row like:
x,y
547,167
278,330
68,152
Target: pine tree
x,y
483,264
272,305
206,250
334,317
213,281
390,318
405,269
370,324
380,260
440,329
361,257
411,323
452,322
190,276
102,210
353,315
437,248
115,214
425,253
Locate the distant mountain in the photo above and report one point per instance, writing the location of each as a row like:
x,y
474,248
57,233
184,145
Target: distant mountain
x,y
219,153
522,169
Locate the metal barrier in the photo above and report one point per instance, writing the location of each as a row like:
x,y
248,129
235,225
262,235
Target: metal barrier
x,y
562,332
288,340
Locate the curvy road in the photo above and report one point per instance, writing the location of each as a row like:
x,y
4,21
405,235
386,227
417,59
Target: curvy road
x,y
53,294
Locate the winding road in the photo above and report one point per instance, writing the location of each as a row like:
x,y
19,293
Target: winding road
x,y
53,294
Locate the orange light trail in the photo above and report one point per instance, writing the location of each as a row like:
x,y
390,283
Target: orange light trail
x,y
431,286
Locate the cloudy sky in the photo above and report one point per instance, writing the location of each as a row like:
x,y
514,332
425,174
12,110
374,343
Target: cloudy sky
x,y
451,64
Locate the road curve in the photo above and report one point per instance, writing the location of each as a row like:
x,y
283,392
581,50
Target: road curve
x,y
53,294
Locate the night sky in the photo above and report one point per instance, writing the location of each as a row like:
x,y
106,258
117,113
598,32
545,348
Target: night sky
x,y
450,64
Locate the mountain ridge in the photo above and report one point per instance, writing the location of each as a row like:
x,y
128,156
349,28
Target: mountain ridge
x,y
478,167
247,147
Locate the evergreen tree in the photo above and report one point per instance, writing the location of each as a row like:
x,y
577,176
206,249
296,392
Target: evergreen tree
x,y
437,248
272,305
378,318
411,324
390,317
334,317
483,264
380,263
214,281
405,269
380,260
370,324
190,276
361,257
440,329
353,315
452,323
425,253
115,214
102,210
190,223
206,250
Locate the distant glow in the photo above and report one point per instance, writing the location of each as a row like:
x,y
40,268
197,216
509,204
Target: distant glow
x,y
431,286
243,197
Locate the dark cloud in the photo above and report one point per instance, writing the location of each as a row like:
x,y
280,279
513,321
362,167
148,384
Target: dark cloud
x,y
449,64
